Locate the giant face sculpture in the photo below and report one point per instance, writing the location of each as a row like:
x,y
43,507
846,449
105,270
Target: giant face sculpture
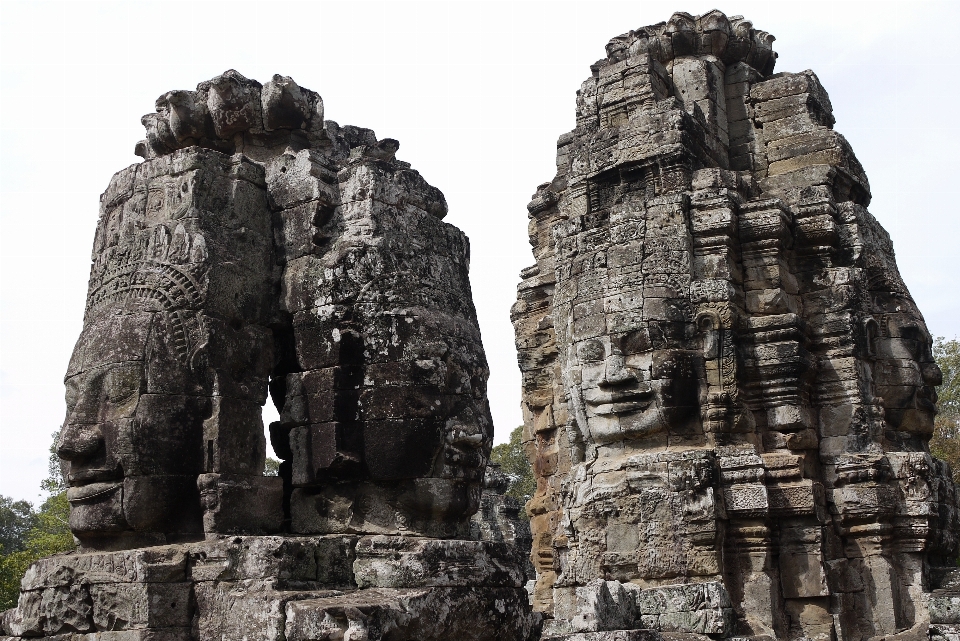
x,y
132,447
632,364
624,336
168,376
726,384
394,429
437,436
903,369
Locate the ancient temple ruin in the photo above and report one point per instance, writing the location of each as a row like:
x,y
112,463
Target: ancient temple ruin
x,y
728,391
727,388
260,248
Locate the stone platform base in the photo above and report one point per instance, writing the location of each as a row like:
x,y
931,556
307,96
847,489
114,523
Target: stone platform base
x,y
945,632
609,635
279,589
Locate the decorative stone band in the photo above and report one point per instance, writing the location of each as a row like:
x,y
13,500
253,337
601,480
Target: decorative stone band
x,y
610,635
692,608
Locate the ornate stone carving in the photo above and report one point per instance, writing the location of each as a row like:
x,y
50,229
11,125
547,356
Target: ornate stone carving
x,y
260,249
322,260
167,379
726,385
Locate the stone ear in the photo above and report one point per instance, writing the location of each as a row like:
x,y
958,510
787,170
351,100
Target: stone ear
x,y
871,330
198,357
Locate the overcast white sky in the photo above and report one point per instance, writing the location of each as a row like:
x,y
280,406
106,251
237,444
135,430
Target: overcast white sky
x,y
477,94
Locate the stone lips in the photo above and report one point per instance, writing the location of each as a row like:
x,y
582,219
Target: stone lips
x,y
725,380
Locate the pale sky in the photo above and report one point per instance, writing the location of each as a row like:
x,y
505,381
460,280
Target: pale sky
x,y
477,93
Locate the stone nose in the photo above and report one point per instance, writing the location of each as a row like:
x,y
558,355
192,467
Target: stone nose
x,y
932,374
78,442
615,372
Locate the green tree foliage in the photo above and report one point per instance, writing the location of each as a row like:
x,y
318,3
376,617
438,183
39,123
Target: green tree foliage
x,y
28,534
513,462
52,532
16,519
12,568
945,443
271,467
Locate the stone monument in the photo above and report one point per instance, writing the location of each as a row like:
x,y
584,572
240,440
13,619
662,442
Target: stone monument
x,y
727,389
260,248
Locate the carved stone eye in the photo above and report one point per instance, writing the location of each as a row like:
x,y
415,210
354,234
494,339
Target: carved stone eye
x,y
122,384
913,333
591,350
636,342
72,392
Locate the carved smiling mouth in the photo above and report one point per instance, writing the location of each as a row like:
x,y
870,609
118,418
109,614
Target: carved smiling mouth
x,y
927,399
90,483
83,476
619,401
91,491
463,456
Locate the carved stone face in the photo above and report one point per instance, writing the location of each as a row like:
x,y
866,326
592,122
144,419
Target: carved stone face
x,y
463,414
623,340
433,424
630,391
904,372
456,475
166,382
131,443
399,430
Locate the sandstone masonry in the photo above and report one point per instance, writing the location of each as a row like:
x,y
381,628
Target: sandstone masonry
x,y
728,391
727,388
258,249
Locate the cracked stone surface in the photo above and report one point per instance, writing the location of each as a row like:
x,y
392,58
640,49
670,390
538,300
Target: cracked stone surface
x,y
279,588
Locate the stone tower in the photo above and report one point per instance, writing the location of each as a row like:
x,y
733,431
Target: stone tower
x,y
727,389
257,249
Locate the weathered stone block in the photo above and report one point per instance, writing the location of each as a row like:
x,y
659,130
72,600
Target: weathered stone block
x,y
128,606
302,177
944,608
610,635
400,562
232,609
241,504
425,613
